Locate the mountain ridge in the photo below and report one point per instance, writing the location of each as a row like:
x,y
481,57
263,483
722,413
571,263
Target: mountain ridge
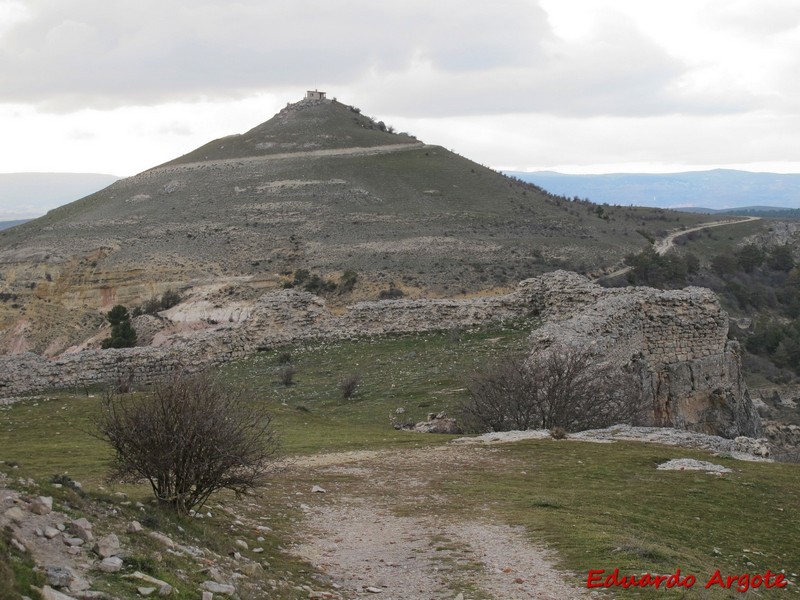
x,y
717,189
31,195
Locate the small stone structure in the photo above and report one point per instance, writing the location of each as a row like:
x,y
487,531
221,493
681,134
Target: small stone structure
x,y
315,95
675,340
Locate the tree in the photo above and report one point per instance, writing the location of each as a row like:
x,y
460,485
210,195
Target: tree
x,y
559,387
189,437
123,334
724,264
781,258
749,257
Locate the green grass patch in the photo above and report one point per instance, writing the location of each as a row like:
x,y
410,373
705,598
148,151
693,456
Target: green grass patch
x,y
416,373
17,573
606,506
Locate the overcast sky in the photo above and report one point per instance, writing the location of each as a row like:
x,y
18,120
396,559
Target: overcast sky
x,y
118,86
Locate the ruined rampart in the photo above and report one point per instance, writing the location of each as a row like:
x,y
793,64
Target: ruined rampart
x,y
676,340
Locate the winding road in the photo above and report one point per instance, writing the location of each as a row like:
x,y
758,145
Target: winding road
x,y
665,245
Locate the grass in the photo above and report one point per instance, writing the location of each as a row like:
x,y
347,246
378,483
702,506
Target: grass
x,y
606,506
16,571
600,506
417,373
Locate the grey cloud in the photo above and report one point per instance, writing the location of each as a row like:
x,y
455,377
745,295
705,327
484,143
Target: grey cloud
x,y
483,60
618,73
92,52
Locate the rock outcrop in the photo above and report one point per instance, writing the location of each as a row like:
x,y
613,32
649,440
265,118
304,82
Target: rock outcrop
x,y
676,340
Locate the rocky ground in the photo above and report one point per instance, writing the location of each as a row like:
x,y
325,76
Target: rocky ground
x,y
372,527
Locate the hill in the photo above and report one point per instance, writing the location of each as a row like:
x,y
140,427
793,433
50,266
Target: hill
x,y
716,189
768,212
30,195
7,224
319,188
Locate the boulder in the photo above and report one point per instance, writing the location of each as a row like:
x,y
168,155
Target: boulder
x,y
107,546
112,564
43,505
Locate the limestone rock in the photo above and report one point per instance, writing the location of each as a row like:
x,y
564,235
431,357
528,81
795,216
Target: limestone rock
x,y
42,505
74,541
164,539
112,564
437,423
135,527
164,589
82,528
107,546
225,589
58,577
49,593
15,514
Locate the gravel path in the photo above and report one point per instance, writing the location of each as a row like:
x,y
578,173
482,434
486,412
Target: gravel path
x,y
367,548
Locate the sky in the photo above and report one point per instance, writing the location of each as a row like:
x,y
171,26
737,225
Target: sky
x,y
578,86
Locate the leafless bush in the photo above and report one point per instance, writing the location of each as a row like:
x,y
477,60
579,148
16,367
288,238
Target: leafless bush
x,y
287,375
189,437
348,386
561,387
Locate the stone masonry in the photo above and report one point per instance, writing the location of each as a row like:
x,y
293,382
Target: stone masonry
x,y
676,340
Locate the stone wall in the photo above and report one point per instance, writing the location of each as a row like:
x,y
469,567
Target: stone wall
x,y
676,340
275,319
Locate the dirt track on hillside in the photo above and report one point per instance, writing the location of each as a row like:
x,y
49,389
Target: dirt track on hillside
x,y
387,529
663,246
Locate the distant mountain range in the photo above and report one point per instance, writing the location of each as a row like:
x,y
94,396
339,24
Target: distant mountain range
x,y
30,195
7,224
719,189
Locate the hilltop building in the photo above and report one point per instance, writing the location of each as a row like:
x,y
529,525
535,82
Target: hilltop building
x,y
315,95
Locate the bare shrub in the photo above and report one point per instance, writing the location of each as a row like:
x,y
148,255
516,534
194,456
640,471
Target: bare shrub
x,y
287,375
558,433
561,387
189,437
348,386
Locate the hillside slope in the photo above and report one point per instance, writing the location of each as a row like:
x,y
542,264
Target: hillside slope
x,y
318,187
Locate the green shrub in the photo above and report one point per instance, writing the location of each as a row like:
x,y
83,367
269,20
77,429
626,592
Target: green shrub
x,y
122,333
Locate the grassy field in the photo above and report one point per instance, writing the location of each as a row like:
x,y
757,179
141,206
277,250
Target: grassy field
x,y
600,506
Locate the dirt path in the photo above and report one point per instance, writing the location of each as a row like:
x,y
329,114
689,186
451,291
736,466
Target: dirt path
x,y
386,531
665,245
353,151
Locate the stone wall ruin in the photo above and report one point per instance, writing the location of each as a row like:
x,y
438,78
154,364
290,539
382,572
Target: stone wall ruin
x,y
676,340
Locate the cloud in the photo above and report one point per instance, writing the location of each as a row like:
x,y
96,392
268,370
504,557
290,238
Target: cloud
x,y
411,57
93,53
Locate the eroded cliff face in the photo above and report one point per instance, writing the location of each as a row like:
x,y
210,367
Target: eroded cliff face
x,y
676,341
